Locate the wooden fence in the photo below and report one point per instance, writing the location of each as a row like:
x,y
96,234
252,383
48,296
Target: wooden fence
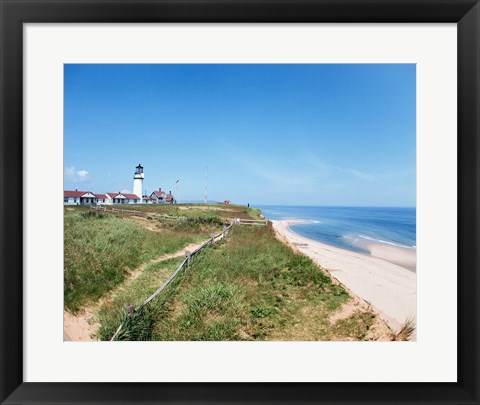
x,y
241,221
136,213
185,263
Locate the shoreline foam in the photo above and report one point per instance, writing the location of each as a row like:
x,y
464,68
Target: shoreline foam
x,y
388,287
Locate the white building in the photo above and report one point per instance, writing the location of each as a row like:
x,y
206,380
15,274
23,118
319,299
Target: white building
x,y
101,199
132,199
121,198
159,196
147,200
78,197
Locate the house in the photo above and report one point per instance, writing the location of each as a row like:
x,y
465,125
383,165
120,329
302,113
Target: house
x,y
122,198
147,200
132,199
101,198
158,197
169,199
115,198
78,197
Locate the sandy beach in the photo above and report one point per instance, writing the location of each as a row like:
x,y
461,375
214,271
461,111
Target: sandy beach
x,y
385,278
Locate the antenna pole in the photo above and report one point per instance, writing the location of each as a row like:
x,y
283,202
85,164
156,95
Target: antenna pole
x,y
206,184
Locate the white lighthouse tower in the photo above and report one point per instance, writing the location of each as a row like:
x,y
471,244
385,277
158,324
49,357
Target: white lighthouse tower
x,y
138,182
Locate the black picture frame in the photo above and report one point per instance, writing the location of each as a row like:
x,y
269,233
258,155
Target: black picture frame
x,y
14,13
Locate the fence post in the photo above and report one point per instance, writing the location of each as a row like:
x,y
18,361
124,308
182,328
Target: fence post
x,y
188,255
129,308
213,239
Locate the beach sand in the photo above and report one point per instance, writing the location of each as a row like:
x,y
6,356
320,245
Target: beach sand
x,y
404,257
379,278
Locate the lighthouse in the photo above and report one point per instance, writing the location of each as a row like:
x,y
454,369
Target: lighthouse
x,y
138,181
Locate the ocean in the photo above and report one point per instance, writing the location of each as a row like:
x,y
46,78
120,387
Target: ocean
x,y
350,228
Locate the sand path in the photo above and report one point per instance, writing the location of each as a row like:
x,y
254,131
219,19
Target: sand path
x,y
82,326
389,288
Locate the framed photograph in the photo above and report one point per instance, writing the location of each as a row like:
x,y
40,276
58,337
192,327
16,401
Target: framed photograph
x,y
274,110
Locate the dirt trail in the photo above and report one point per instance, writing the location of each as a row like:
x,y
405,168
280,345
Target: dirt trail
x,y
82,326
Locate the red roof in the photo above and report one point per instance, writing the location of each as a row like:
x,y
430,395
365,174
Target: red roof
x,y
159,193
131,196
100,195
68,193
114,195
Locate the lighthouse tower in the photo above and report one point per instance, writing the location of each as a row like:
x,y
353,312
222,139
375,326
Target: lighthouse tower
x,y
138,181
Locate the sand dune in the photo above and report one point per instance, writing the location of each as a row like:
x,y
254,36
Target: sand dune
x,y
390,288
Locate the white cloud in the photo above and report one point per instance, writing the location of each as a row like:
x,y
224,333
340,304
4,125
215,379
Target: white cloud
x,y
76,176
276,174
323,166
83,175
70,172
359,175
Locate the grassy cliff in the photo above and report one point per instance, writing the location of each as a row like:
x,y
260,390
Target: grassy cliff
x,y
249,286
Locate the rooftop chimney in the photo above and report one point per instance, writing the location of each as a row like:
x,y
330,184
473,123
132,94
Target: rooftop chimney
x,y
159,189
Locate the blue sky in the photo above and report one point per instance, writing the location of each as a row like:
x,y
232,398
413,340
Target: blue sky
x,y
269,134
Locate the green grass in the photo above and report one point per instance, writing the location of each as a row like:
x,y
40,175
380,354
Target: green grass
x,y
100,250
252,213
249,287
193,225
356,326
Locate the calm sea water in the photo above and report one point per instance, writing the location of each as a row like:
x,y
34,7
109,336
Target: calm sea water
x,y
351,227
